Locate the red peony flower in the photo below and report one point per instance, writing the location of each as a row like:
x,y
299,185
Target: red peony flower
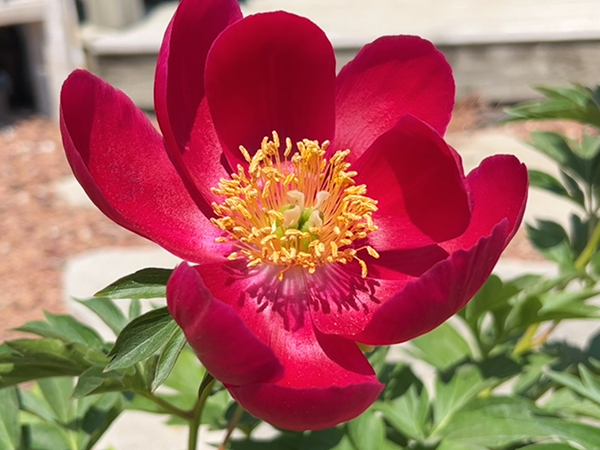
x,y
359,226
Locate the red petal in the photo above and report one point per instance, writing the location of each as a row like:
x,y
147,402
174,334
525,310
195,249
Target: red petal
x,y
393,76
413,175
339,300
405,263
498,190
179,92
327,381
226,347
343,302
121,162
270,72
430,300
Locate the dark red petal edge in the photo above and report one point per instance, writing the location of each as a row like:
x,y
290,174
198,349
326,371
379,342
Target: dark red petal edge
x,y
228,349
327,382
179,93
413,175
498,189
319,370
430,300
393,76
121,162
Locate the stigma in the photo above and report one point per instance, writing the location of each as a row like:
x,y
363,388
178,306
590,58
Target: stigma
x,y
294,207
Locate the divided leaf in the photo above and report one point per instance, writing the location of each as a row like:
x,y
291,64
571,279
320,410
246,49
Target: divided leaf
x,y
168,357
33,359
10,428
145,283
442,347
367,431
66,328
108,311
141,338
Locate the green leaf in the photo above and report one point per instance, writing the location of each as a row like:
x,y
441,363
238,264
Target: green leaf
x,y
145,283
48,435
141,338
501,421
576,96
551,239
31,359
135,308
215,411
589,147
554,446
367,431
408,413
495,422
451,445
442,347
95,381
187,374
556,147
99,416
567,305
547,234
532,370
33,400
57,391
575,192
54,420
565,402
587,386
451,397
543,180
108,311
377,358
10,429
66,328
493,295
579,235
585,435
595,265
576,103
398,378
346,444
168,357
523,313
329,439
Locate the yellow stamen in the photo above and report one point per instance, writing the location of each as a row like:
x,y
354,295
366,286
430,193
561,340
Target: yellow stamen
x,y
295,208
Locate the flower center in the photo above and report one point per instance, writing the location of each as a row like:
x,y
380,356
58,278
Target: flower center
x,y
295,209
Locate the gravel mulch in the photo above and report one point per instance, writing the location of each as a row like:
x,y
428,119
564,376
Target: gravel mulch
x,y
39,232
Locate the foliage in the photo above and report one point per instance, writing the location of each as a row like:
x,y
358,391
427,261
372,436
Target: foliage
x,y
497,382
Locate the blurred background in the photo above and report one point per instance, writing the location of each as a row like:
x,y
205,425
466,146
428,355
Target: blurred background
x,y
498,50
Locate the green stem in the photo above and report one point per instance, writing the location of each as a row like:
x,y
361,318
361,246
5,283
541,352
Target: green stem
x,y
525,343
172,409
231,426
589,250
194,422
543,337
